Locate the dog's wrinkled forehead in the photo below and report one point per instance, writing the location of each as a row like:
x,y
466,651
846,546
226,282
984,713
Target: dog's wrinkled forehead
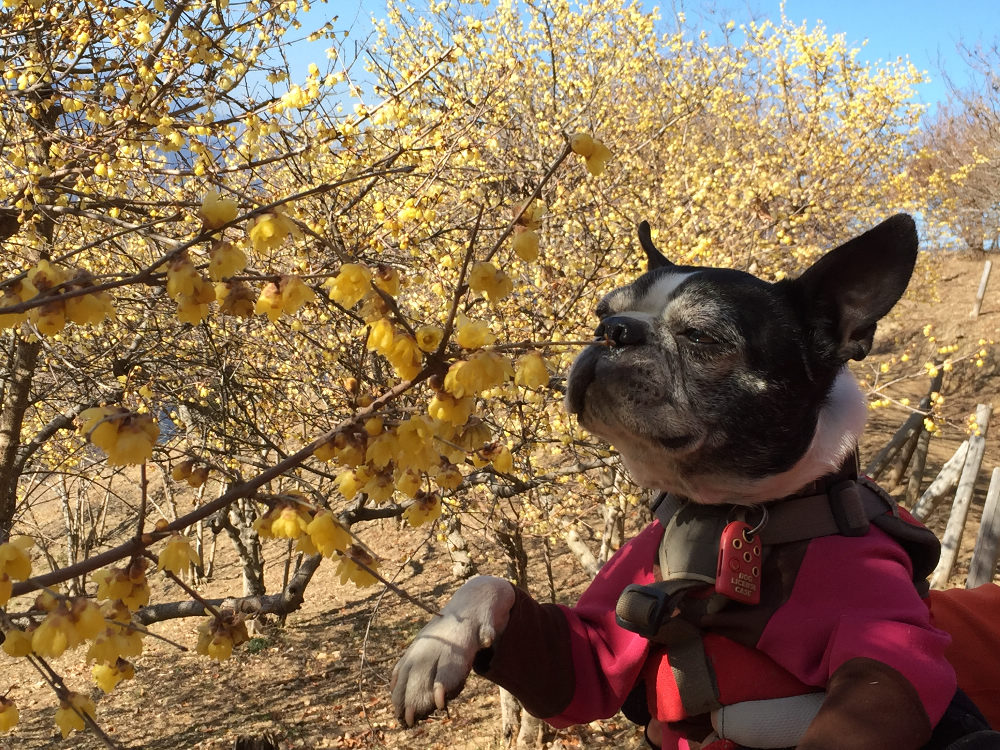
x,y
650,293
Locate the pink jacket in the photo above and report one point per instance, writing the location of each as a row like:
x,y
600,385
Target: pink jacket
x,y
851,597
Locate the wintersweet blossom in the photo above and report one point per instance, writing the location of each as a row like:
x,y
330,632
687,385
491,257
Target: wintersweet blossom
x,y
69,716
216,211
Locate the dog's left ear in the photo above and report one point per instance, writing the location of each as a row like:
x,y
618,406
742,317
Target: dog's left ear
x,y
848,290
654,257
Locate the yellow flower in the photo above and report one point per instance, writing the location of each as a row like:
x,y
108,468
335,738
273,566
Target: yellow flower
x,y
531,371
489,280
595,153
50,318
349,569
191,312
100,425
270,302
449,409
531,216
387,279
177,554
218,636
6,589
127,585
475,435
429,338
350,482
327,534
405,357
472,334
87,619
380,336
290,522
350,285
499,455
134,440
119,639
225,260
482,371
294,294
526,244
9,715
54,635
107,676
269,230
89,309
425,507
10,297
14,560
415,438
449,477
45,276
182,277
235,298
408,482
69,716
216,210
17,643
382,450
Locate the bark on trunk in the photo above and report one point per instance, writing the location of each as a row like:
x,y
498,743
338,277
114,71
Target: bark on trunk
x,y
16,402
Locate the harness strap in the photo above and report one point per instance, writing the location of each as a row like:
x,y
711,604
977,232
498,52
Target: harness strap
x,y
649,611
843,509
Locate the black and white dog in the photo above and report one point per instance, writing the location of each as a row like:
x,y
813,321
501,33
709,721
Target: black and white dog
x,y
778,600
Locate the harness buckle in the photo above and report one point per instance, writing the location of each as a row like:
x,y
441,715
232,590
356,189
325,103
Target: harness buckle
x,y
848,508
643,609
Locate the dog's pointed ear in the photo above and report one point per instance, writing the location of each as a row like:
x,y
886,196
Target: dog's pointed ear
x,y
655,257
848,290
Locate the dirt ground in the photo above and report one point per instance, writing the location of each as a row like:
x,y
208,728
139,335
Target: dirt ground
x,y
321,680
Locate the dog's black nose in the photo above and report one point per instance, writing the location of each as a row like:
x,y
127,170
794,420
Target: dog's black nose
x,y
622,330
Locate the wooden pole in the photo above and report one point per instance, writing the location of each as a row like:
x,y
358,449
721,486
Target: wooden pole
x,y
982,289
910,429
945,481
963,497
917,472
985,553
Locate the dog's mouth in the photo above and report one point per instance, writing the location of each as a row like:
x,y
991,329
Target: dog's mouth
x,y
581,375
606,423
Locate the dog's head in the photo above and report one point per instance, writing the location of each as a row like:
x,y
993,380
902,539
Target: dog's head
x,y
721,387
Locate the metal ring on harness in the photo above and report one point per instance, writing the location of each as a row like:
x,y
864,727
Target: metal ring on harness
x,y
751,532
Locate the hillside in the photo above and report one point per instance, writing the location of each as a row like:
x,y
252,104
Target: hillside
x,y
321,681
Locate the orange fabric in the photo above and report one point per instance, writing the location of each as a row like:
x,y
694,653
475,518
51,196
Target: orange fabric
x,y
972,617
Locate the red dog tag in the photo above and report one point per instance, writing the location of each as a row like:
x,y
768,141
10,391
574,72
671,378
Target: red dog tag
x,y
738,574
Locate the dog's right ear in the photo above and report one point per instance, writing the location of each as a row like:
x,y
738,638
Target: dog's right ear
x,y
654,256
847,291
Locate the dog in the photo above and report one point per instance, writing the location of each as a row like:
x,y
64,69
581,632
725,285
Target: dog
x,y
778,599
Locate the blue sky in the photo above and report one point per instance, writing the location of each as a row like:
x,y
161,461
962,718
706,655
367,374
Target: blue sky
x,y
927,31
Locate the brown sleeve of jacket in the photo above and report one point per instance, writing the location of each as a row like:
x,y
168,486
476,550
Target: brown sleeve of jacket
x,y
868,705
532,658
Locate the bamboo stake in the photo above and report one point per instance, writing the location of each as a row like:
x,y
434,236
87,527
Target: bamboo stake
x,y
944,482
913,425
981,293
963,497
917,472
985,553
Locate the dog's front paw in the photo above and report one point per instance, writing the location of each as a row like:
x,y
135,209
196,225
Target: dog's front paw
x,y
437,663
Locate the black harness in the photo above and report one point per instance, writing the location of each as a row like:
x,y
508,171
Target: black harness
x,y
689,559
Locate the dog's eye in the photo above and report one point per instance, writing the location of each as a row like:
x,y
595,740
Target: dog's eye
x,y
697,336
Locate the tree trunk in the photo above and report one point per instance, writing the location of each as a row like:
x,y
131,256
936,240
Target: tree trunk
x,y
16,402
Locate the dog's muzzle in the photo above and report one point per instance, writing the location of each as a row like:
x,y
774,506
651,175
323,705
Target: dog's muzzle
x,y
621,330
